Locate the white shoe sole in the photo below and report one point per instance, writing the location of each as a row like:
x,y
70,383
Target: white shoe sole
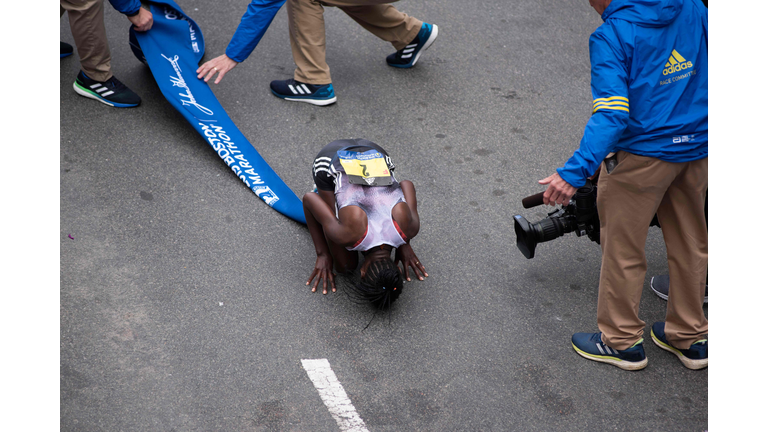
x,y
660,294
323,102
623,364
82,92
665,296
429,42
689,363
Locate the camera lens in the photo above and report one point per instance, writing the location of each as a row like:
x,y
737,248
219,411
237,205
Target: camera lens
x,y
526,239
548,229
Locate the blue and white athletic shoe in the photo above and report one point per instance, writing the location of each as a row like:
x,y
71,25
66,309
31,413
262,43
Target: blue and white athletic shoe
x,y
591,346
111,92
696,357
65,50
408,56
292,90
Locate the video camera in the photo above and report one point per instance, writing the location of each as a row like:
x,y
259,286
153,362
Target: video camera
x,y
580,215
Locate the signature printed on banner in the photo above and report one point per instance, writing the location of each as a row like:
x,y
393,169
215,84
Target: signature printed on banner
x,y
178,81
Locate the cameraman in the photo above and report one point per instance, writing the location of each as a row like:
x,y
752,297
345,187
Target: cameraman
x,y
649,84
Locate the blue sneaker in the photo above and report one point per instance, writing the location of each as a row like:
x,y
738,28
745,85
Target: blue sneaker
x,y
591,346
111,92
408,56
65,49
695,357
292,90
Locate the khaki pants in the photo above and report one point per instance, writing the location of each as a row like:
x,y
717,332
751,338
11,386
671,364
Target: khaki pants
x,y
86,20
627,199
307,31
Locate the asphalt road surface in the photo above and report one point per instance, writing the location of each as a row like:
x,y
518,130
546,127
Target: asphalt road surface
x,y
183,304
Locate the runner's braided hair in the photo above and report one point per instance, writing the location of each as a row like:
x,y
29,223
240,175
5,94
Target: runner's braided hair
x,y
381,285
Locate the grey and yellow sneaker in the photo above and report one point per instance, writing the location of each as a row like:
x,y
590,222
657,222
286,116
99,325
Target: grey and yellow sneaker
x,y
591,346
696,357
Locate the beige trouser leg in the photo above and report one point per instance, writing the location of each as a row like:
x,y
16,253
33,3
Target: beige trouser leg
x,y
627,201
307,31
686,240
86,20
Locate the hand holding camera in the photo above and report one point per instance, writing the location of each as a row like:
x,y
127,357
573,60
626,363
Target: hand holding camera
x,y
580,215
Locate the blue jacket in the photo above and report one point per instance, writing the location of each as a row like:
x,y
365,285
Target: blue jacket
x,y
649,85
252,27
127,7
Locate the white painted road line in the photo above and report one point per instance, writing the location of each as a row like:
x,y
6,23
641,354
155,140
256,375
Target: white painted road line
x,y
333,395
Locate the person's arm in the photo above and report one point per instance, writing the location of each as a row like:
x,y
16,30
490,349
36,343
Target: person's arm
x,y
404,254
126,7
138,16
414,224
706,25
313,204
253,25
610,117
321,211
322,223
324,263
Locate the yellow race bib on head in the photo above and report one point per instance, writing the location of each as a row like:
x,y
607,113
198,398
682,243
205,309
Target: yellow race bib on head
x,y
367,168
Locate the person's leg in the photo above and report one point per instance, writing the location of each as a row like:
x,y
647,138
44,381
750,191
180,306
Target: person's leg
x,y
627,200
306,28
660,284
684,225
382,20
86,20
65,49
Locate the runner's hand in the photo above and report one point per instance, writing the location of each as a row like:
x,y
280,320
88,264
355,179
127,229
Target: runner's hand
x,y
143,21
221,64
323,270
405,255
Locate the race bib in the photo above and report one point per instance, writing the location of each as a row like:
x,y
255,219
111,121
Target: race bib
x,y
367,168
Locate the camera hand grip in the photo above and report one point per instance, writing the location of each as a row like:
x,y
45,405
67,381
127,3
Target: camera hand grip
x,y
533,200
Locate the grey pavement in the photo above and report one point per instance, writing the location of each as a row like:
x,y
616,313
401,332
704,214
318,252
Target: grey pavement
x,y
183,304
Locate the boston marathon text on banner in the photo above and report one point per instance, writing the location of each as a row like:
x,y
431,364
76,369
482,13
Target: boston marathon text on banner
x,y
229,153
172,49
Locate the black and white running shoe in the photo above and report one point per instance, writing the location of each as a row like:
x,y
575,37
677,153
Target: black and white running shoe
x,y
111,92
408,56
292,90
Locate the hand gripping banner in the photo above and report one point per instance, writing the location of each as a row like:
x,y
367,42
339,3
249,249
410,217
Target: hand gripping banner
x,y
172,49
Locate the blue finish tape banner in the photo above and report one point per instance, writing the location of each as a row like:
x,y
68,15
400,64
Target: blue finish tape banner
x,y
172,49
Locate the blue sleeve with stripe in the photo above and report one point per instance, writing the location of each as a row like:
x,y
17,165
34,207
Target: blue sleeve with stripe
x,y
127,7
252,27
610,109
